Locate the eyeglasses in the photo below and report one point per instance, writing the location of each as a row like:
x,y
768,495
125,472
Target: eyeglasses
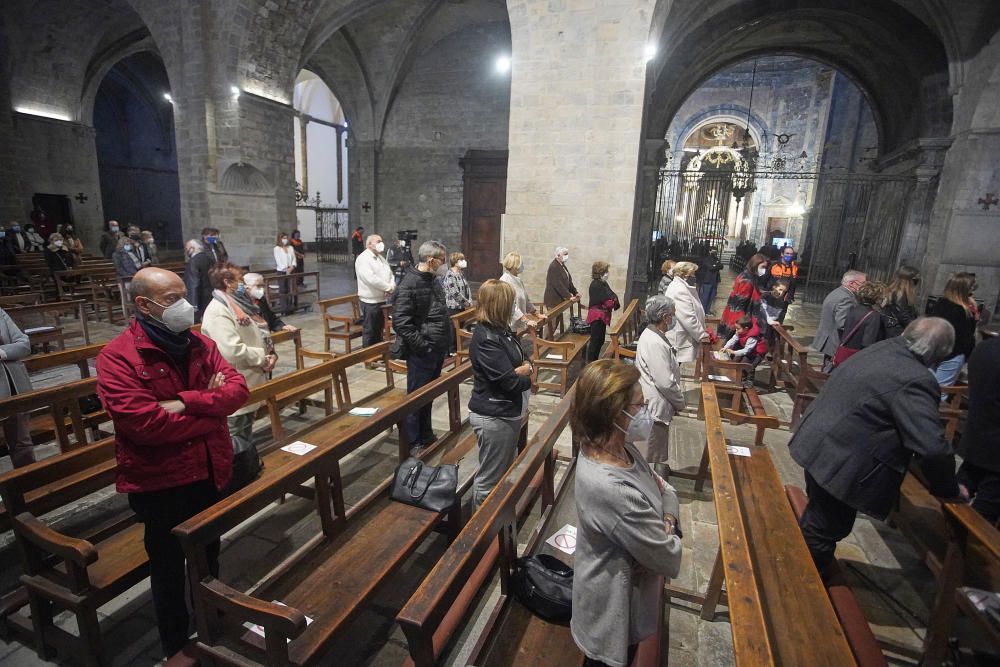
x,y
640,405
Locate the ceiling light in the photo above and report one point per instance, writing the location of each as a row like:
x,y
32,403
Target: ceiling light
x,y
235,91
167,97
797,209
503,64
649,52
54,115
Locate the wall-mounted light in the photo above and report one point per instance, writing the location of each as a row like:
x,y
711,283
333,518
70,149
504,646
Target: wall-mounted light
x,y
649,52
235,90
797,209
503,64
43,113
168,98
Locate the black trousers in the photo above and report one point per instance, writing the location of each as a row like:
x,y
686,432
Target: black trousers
x,y
160,511
825,521
590,662
597,330
984,487
419,371
373,323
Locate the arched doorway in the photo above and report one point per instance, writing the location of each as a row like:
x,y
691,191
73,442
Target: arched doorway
x,y
321,168
136,148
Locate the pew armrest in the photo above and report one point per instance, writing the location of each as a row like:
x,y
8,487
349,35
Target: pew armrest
x,y
321,356
72,550
274,618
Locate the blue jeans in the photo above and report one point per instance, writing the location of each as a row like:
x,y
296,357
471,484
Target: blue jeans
x,y
947,371
421,370
707,292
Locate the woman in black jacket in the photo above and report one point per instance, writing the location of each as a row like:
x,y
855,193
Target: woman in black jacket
x,y
959,308
603,301
500,389
864,318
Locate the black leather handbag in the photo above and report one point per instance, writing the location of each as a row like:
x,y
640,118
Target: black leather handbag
x,y
544,584
433,488
579,325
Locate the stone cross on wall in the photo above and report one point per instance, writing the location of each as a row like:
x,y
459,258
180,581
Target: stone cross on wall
x,y
80,197
989,200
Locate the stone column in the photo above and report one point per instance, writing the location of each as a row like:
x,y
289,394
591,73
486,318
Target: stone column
x,y
362,156
578,77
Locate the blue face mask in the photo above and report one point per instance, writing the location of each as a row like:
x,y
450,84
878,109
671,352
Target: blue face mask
x,y
127,248
241,289
16,228
211,239
787,259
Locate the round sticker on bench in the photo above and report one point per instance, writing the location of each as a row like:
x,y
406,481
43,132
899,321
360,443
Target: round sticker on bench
x,y
565,541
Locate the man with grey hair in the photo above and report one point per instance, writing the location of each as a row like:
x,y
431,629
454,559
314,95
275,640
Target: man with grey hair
x,y
877,411
199,289
558,282
420,317
660,378
831,320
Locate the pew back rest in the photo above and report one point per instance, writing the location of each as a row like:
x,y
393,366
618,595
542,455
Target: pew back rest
x,y
58,401
80,356
340,312
555,318
626,331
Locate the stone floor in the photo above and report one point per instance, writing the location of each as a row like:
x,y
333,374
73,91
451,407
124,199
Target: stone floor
x,y
893,587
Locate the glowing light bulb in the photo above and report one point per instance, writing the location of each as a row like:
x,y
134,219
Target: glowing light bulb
x,y
168,98
235,91
649,52
503,64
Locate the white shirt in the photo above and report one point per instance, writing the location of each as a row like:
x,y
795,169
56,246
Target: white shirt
x,y
374,277
284,257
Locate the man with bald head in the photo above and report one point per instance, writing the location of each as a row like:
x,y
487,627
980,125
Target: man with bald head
x,y
375,284
878,411
168,392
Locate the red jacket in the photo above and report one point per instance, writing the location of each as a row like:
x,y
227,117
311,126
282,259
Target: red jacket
x,y
155,449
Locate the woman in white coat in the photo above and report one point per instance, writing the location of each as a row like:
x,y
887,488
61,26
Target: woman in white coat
x,y
689,314
235,323
660,378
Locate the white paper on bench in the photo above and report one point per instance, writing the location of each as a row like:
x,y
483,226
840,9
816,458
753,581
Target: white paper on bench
x,y
363,412
553,356
564,539
38,330
719,378
258,630
736,450
298,447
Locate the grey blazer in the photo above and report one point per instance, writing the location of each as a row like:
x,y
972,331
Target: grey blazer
x,y
831,320
870,419
16,346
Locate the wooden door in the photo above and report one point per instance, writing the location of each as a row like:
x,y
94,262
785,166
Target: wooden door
x,y
484,201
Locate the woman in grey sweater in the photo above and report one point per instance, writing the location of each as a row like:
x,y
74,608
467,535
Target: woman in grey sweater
x,y
15,346
627,517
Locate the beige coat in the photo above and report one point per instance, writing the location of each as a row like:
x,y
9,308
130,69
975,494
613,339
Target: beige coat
x,y
241,346
689,316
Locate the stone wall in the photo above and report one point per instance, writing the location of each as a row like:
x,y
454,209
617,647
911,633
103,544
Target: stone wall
x,y
446,106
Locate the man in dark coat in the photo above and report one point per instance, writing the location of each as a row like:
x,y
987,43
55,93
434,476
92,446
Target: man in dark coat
x,y
980,446
558,281
420,318
199,289
871,418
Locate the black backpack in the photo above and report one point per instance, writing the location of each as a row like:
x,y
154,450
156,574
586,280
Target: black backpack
x,y
544,584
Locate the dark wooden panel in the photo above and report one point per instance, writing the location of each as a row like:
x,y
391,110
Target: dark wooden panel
x,y
484,201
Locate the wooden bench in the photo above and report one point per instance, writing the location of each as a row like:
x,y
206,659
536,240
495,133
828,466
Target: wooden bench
x,y
283,291
22,299
770,626
436,612
558,349
98,286
625,332
63,572
745,406
45,323
59,413
462,323
338,325
957,545
335,573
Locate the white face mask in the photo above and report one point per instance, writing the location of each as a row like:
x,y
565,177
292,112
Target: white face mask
x,y
380,247
178,316
256,292
604,277
520,269
284,241
59,244
640,427
462,264
761,270
565,258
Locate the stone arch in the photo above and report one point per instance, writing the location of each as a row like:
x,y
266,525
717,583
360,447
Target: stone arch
x,y
732,113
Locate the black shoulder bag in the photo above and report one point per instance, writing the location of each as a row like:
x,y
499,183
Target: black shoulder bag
x,y
544,584
433,488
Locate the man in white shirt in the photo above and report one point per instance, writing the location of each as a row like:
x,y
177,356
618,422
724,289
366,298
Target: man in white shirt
x,y
375,284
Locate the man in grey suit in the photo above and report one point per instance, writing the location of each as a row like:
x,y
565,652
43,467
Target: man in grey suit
x,y
871,418
834,314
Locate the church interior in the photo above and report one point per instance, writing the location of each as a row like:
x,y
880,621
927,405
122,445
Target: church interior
x,y
599,140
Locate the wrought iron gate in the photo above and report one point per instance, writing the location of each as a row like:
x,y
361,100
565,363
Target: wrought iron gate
x,y
332,229
855,221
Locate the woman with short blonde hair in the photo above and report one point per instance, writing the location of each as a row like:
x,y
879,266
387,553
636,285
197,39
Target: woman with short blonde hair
x,y
501,385
689,313
626,518
685,269
525,314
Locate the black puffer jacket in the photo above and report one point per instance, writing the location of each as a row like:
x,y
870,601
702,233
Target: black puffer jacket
x,y
419,314
496,389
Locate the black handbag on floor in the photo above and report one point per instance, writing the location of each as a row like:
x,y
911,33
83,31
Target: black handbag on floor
x,y
544,584
579,325
433,488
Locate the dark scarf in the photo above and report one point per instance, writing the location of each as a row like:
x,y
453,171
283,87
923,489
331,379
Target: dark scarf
x,y
176,345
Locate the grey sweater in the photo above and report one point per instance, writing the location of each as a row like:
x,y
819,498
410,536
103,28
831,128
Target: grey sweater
x,y
622,545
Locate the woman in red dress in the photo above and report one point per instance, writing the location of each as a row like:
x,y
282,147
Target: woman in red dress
x,y
745,297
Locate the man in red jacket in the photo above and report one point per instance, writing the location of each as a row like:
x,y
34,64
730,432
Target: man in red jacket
x,y
168,392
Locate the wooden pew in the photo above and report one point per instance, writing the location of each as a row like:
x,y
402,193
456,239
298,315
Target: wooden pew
x,y
97,286
338,325
22,299
462,322
559,348
769,625
45,322
435,613
971,561
745,406
338,570
59,411
626,331
290,299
